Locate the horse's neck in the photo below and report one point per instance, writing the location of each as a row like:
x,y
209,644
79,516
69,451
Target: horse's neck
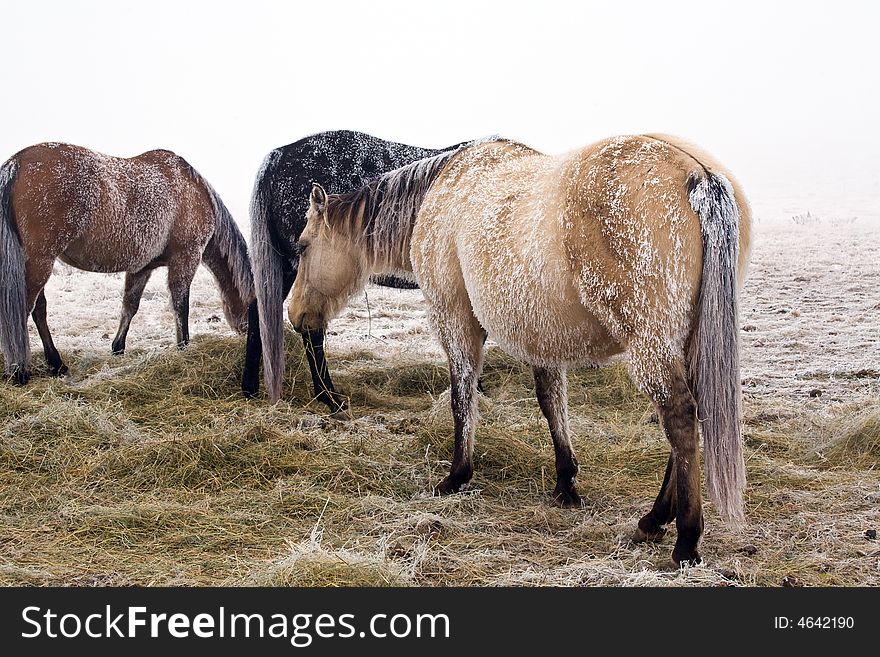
x,y
389,242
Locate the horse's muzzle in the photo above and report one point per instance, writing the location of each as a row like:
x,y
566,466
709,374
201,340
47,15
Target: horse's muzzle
x,y
306,322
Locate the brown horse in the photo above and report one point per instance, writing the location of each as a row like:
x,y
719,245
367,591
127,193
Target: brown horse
x,y
110,214
634,244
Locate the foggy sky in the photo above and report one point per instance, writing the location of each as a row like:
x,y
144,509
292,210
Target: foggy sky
x,y
785,94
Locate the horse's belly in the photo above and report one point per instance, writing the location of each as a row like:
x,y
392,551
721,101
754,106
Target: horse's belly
x,y
542,327
99,253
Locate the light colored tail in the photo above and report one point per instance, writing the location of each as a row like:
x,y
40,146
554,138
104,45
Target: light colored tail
x,y
268,274
13,290
714,349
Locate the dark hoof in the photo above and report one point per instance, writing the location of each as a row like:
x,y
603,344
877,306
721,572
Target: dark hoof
x,y
118,351
61,370
21,377
686,557
648,531
448,486
567,498
342,414
250,386
335,402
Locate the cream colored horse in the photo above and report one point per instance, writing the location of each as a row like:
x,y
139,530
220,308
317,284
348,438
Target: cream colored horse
x,y
633,244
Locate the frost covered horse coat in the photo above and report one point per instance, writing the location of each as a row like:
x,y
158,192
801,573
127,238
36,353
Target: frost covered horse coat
x,y
110,214
339,160
634,244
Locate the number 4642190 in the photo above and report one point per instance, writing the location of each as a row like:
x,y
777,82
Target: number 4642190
x,y
814,622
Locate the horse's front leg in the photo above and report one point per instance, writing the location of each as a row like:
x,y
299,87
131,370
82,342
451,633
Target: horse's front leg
x,y
250,377
551,388
325,392
462,338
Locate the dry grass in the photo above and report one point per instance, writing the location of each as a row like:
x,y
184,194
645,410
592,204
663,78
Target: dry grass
x,y
152,470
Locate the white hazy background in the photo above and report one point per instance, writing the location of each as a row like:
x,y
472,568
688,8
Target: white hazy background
x,y
786,94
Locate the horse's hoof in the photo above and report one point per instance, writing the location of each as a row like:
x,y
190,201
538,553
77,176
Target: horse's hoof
x,y
336,403
567,498
641,536
648,531
21,377
118,351
342,412
249,393
686,558
61,370
447,487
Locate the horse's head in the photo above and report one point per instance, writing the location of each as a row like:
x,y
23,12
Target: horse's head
x,y
332,268
235,310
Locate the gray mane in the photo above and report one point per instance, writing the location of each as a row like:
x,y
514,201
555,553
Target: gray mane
x,y
381,215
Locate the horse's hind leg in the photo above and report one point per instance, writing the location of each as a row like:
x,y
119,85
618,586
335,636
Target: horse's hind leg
x,y
38,269
131,301
680,494
652,526
551,389
180,276
462,338
53,358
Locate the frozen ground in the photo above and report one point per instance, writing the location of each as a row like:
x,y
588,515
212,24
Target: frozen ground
x,y
810,314
153,470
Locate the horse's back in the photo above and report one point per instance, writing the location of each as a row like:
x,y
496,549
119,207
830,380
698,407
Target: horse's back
x,y
104,213
484,238
571,257
339,160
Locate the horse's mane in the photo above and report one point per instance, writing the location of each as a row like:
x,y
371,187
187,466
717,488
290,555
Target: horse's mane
x,y
381,214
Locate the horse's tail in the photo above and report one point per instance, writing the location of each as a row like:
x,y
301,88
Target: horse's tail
x,y
13,288
714,347
268,270
226,256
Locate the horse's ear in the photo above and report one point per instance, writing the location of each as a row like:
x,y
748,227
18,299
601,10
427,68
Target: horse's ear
x,y
318,198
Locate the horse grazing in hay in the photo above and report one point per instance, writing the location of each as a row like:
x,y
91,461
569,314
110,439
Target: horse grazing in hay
x,y
340,160
110,214
634,244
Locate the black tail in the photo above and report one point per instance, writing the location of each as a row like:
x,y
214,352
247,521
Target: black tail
x,y
269,278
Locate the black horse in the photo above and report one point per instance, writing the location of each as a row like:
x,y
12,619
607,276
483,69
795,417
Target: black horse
x,y
340,161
